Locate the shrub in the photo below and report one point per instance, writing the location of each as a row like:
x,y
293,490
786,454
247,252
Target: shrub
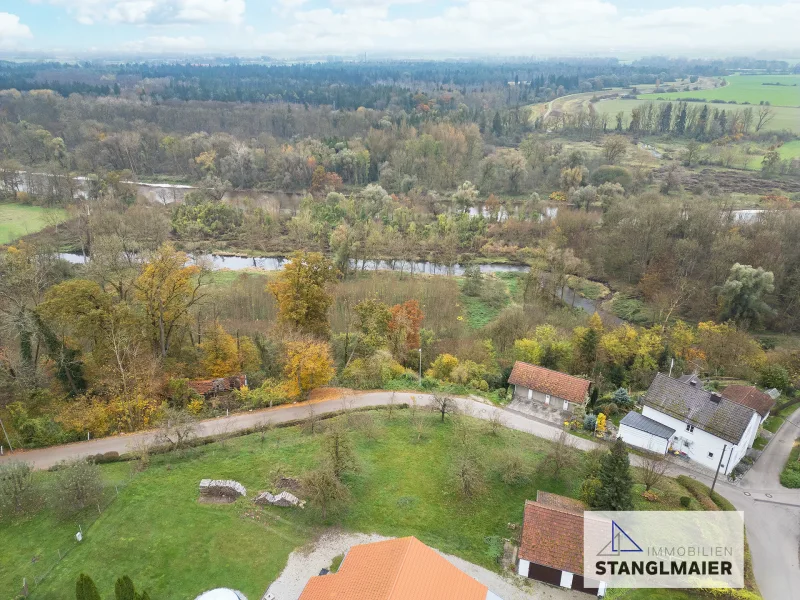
x,y
609,409
19,491
589,489
699,491
685,501
650,496
589,422
611,174
77,485
495,547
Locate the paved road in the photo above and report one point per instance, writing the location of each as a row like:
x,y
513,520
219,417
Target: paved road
x,y
772,513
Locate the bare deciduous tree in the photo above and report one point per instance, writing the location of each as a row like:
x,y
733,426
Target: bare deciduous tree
x,y
513,466
654,466
496,422
468,475
339,449
324,490
765,115
178,428
562,456
444,405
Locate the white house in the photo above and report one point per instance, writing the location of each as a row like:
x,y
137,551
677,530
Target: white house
x,y
533,383
707,426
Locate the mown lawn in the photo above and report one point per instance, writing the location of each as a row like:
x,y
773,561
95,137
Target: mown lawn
x,y
18,220
174,547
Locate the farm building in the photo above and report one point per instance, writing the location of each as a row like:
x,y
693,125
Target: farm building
x,y
751,396
707,427
537,384
221,385
551,549
400,569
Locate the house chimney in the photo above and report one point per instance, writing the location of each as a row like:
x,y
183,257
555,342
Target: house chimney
x,y
693,382
715,397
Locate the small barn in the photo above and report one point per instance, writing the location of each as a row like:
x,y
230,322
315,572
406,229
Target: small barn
x,y
533,383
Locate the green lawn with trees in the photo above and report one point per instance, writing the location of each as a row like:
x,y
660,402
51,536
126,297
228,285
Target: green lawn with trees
x,y
454,484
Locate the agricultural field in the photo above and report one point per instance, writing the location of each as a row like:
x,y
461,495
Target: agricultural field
x,y
18,220
402,486
746,89
785,117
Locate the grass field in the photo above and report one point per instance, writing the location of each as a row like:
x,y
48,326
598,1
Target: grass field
x,y
785,117
174,547
752,89
18,220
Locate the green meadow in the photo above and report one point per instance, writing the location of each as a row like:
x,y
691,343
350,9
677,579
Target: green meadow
x,y
18,220
778,90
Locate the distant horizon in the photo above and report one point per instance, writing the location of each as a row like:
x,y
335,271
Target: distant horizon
x,y
397,29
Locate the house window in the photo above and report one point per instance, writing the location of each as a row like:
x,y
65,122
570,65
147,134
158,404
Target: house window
x,y
710,455
530,394
566,405
547,399
689,428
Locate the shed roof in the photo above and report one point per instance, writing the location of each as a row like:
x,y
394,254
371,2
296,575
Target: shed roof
x,y
691,404
642,423
401,569
550,382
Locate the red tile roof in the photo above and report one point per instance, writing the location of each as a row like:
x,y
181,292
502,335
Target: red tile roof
x,y
401,569
562,502
550,382
553,536
749,396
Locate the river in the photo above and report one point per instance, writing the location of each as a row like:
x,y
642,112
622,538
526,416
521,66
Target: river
x,y
275,263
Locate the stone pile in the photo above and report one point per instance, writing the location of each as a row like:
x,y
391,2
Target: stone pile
x,y
282,499
226,488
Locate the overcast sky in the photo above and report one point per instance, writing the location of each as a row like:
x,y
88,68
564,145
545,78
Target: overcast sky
x,y
402,27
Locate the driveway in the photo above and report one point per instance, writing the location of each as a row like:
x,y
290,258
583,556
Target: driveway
x,y
306,562
771,512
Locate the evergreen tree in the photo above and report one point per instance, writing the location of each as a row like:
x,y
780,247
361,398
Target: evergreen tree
x,y
85,589
123,590
615,479
497,124
680,123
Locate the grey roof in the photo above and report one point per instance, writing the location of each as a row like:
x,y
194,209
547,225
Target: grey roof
x,y
694,405
773,393
642,423
689,378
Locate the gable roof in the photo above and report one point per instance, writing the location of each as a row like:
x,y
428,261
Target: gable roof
x,y
562,502
552,535
550,382
751,396
400,569
720,417
638,421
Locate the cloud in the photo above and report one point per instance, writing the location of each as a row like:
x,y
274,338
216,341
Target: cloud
x,y
154,12
530,27
157,44
12,31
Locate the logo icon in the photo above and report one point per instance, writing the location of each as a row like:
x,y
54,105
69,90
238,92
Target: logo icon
x,y
620,542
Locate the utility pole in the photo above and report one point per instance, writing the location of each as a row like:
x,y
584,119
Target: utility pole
x,y
713,483
420,365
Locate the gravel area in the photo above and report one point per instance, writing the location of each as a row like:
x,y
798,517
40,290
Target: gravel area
x,y
307,562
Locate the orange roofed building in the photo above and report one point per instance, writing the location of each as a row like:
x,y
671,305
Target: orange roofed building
x,y
401,569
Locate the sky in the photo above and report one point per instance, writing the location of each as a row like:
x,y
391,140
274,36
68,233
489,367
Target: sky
x,y
411,28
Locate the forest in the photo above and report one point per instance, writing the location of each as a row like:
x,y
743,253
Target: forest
x,y
688,259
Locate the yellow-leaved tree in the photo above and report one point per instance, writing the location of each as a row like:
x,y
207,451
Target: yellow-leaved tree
x,y
301,292
308,366
220,355
168,287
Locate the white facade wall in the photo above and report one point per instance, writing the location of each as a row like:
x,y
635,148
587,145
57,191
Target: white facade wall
x,y
706,448
523,393
642,439
524,566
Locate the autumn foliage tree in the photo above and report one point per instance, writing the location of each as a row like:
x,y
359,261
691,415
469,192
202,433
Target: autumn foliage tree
x,y
404,325
220,355
308,365
301,292
168,288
